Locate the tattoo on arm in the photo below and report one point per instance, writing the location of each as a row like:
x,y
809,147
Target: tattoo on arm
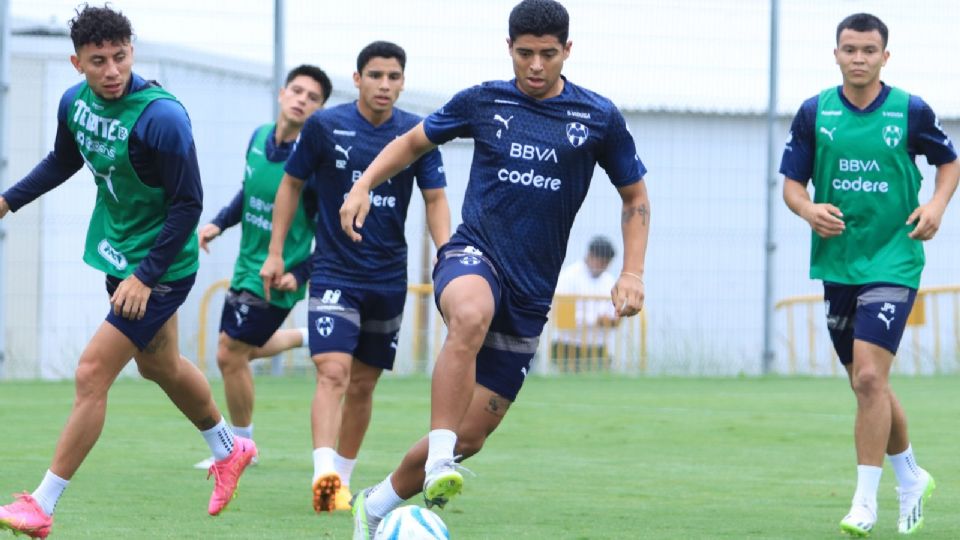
x,y
641,211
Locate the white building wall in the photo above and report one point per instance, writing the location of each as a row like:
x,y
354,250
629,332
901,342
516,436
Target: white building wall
x,y
705,263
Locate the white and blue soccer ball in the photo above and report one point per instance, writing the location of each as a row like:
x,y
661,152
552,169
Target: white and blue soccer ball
x,y
411,523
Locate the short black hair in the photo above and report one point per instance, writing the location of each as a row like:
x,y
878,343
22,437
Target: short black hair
x,y
863,22
314,73
601,248
381,49
99,24
540,18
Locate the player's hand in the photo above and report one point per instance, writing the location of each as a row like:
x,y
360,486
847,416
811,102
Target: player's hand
x,y
287,282
354,211
927,217
207,233
825,219
4,207
270,273
130,299
627,295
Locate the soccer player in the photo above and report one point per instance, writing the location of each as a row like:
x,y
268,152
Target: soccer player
x,y
357,291
249,325
136,139
858,142
537,140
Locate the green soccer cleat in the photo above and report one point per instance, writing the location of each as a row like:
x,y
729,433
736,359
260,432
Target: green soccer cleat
x,y
443,482
859,521
364,525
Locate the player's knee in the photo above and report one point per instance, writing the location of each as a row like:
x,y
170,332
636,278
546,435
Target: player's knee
x,y
228,360
332,373
91,381
467,322
869,382
469,444
361,388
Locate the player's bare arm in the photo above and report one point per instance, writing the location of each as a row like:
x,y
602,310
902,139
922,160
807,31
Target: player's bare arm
x,y
284,206
825,219
438,215
628,292
397,155
4,207
928,216
206,235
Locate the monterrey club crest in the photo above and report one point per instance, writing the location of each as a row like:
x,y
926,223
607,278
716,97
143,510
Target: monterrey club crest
x,y
577,134
892,135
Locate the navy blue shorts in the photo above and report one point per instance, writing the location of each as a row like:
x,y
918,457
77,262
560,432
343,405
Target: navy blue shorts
x,y
165,300
359,322
249,318
511,343
876,313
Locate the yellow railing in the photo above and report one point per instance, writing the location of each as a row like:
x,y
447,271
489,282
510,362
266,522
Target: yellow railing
x,y
925,318
626,343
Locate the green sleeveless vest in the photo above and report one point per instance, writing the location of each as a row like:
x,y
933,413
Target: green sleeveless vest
x,y
128,214
261,182
862,167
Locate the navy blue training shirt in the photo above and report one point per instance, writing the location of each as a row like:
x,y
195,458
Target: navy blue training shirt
x,y
532,165
335,147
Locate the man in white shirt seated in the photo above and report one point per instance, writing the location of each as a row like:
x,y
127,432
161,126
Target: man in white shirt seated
x,y
585,346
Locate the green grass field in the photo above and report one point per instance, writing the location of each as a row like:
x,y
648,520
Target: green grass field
x,y
576,458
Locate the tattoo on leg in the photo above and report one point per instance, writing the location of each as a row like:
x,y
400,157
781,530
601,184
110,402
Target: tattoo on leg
x,y
206,423
497,406
641,211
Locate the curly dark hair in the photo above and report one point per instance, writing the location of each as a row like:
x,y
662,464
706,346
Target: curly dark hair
x,y
99,24
540,18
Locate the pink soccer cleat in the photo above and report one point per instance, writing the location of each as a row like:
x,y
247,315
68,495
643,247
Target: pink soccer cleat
x,y
226,473
25,516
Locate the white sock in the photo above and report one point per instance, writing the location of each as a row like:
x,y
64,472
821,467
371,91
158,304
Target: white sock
x,y
220,440
323,461
382,499
49,491
245,432
868,482
304,336
905,467
441,445
344,467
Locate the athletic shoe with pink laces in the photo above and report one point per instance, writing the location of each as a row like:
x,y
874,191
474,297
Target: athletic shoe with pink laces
x,y
226,473
25,516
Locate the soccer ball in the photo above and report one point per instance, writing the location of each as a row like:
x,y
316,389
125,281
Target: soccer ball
x,y
411,523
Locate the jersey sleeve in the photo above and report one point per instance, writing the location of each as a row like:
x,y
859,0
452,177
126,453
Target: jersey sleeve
x,y
927,136
164,131
429,170
307,154
618,152
59,165
798,152
453,119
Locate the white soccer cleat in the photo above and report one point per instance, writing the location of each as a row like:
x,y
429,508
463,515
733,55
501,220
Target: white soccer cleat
x,y
860,520
443,482
911,504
